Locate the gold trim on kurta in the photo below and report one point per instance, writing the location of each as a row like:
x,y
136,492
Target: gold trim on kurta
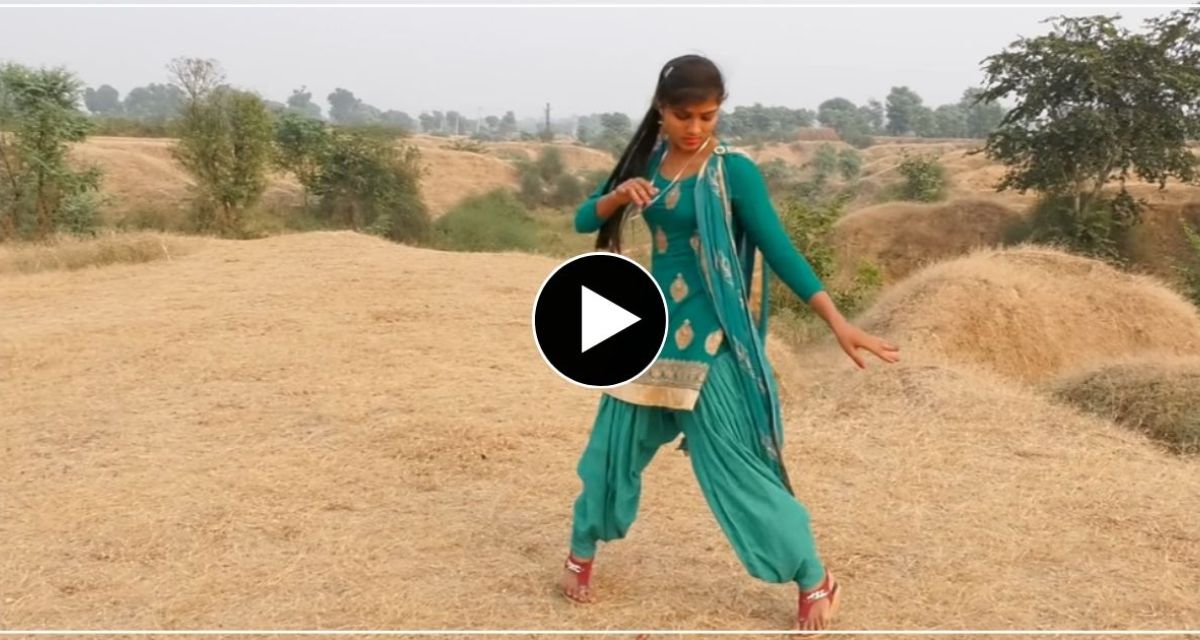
x,y
713,342
684,334
673,384
695,242
679,288
673,197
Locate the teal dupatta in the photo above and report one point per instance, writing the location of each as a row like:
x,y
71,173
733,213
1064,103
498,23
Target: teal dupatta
x,y
728,258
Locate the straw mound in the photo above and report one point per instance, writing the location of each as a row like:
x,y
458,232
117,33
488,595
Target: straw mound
x,y
901,237
1030,313
1157,396
331,431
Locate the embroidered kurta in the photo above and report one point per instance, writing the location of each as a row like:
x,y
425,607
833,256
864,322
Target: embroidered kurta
x,y
695,334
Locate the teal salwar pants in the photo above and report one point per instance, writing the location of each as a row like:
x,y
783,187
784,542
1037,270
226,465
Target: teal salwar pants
x,y
768,528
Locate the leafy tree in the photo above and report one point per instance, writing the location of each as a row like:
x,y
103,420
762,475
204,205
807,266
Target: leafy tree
x,y
1096,103
153,102
301,144
370,183
982,117
104,101
224,142
39,118
950,121
903,107
301,103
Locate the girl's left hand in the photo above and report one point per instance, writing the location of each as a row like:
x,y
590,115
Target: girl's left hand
x,y
851,339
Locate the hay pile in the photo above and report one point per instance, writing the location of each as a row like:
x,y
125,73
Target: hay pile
x,y
1157,396
1031,313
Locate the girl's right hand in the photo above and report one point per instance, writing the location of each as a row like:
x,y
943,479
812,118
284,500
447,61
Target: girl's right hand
x,y
638,191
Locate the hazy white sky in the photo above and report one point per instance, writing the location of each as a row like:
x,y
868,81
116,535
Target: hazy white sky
x,y
581,60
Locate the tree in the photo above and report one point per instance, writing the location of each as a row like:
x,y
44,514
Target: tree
x,y
982,117
343,106
834,111
224,143
1096,103
508,125
104,101
369,183
399,119
300,102
301,144
903,106
39,118
924,122
851,122
950,121
873,114
153,102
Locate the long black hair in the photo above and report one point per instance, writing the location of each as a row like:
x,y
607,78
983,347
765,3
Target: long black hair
x,y
682,81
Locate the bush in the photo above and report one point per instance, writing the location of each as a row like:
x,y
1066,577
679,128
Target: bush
x,y
924,178
1189,269
1097,233
495,221
809,224
370,184
469,145
568,191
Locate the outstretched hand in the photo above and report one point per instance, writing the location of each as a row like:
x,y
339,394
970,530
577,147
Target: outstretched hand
x,y
851,339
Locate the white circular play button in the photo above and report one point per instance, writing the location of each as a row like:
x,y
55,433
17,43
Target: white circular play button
x,y
600,320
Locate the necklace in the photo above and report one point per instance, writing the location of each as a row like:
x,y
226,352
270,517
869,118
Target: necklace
x,y
677,175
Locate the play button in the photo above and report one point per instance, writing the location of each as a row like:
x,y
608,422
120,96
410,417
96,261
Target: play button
x,y
600,320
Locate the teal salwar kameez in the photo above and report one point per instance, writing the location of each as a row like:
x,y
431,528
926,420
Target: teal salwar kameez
x,y
712,383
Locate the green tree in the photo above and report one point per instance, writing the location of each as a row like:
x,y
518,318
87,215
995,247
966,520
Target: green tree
x,y
39,118
301,144
903,111
224,142
300,102
104,101
153,102
982,117
950,121
369,183
1096,103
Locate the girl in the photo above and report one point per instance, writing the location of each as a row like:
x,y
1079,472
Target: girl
x,y
709,215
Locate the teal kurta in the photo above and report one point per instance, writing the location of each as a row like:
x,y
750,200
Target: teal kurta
x,y
695,335
712,382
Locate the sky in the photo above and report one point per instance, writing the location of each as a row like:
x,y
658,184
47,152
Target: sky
x,y
580,59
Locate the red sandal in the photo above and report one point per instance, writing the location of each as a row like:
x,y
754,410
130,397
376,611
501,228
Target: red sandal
x,y
827,589
583,577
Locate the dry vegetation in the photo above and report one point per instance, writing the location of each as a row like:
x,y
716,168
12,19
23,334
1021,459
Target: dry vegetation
x,y
328,430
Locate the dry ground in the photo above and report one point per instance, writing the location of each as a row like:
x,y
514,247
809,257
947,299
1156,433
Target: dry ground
x,y
327,430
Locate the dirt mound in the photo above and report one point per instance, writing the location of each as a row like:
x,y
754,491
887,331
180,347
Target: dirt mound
x,y
824,134
141,175
1157,396
1032,313
353,428
901,237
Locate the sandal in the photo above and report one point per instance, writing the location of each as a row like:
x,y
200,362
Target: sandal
x,y
583,577
827,589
